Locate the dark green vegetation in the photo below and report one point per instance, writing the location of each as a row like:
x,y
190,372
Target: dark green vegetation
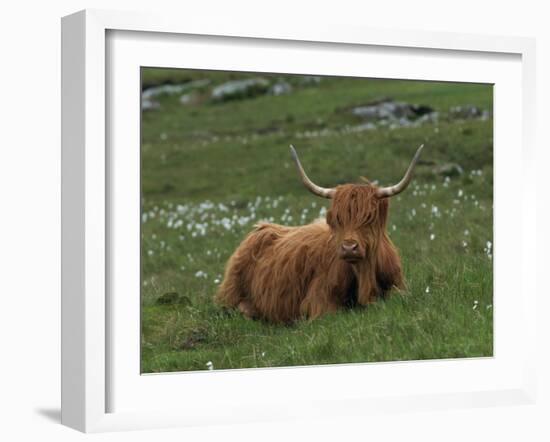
x,y
211,170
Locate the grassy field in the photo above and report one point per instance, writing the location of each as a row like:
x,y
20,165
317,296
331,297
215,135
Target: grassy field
x,y
210,171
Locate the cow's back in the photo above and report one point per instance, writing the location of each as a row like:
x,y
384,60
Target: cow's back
x,y
285,261
271,270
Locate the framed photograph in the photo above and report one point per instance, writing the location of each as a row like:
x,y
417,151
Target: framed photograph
x,y
263,224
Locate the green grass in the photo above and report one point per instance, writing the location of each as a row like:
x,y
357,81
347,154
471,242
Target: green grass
x,y
210,171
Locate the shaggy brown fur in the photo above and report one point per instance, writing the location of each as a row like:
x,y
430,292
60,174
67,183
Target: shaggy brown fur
x,y
281,273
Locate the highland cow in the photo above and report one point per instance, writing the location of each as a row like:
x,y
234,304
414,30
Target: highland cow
x,y
281,273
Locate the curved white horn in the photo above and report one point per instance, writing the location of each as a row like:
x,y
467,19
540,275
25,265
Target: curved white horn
x,y
312,187
384,192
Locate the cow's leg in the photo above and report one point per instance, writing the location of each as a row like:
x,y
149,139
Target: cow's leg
x,y
388,267
247,309
231,291
318,301
235,289
367,288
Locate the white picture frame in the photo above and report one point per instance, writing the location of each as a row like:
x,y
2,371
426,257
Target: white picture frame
x,y
88,201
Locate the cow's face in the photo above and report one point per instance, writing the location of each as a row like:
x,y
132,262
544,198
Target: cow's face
x,y
358,213
357,219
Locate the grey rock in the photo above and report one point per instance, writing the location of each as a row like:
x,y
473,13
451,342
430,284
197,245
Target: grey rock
x,y
393,113
188,98
240,89
485,115
280,88
148,104
449,169
396,114
362,127
468,112
174,89
165,89
432,117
